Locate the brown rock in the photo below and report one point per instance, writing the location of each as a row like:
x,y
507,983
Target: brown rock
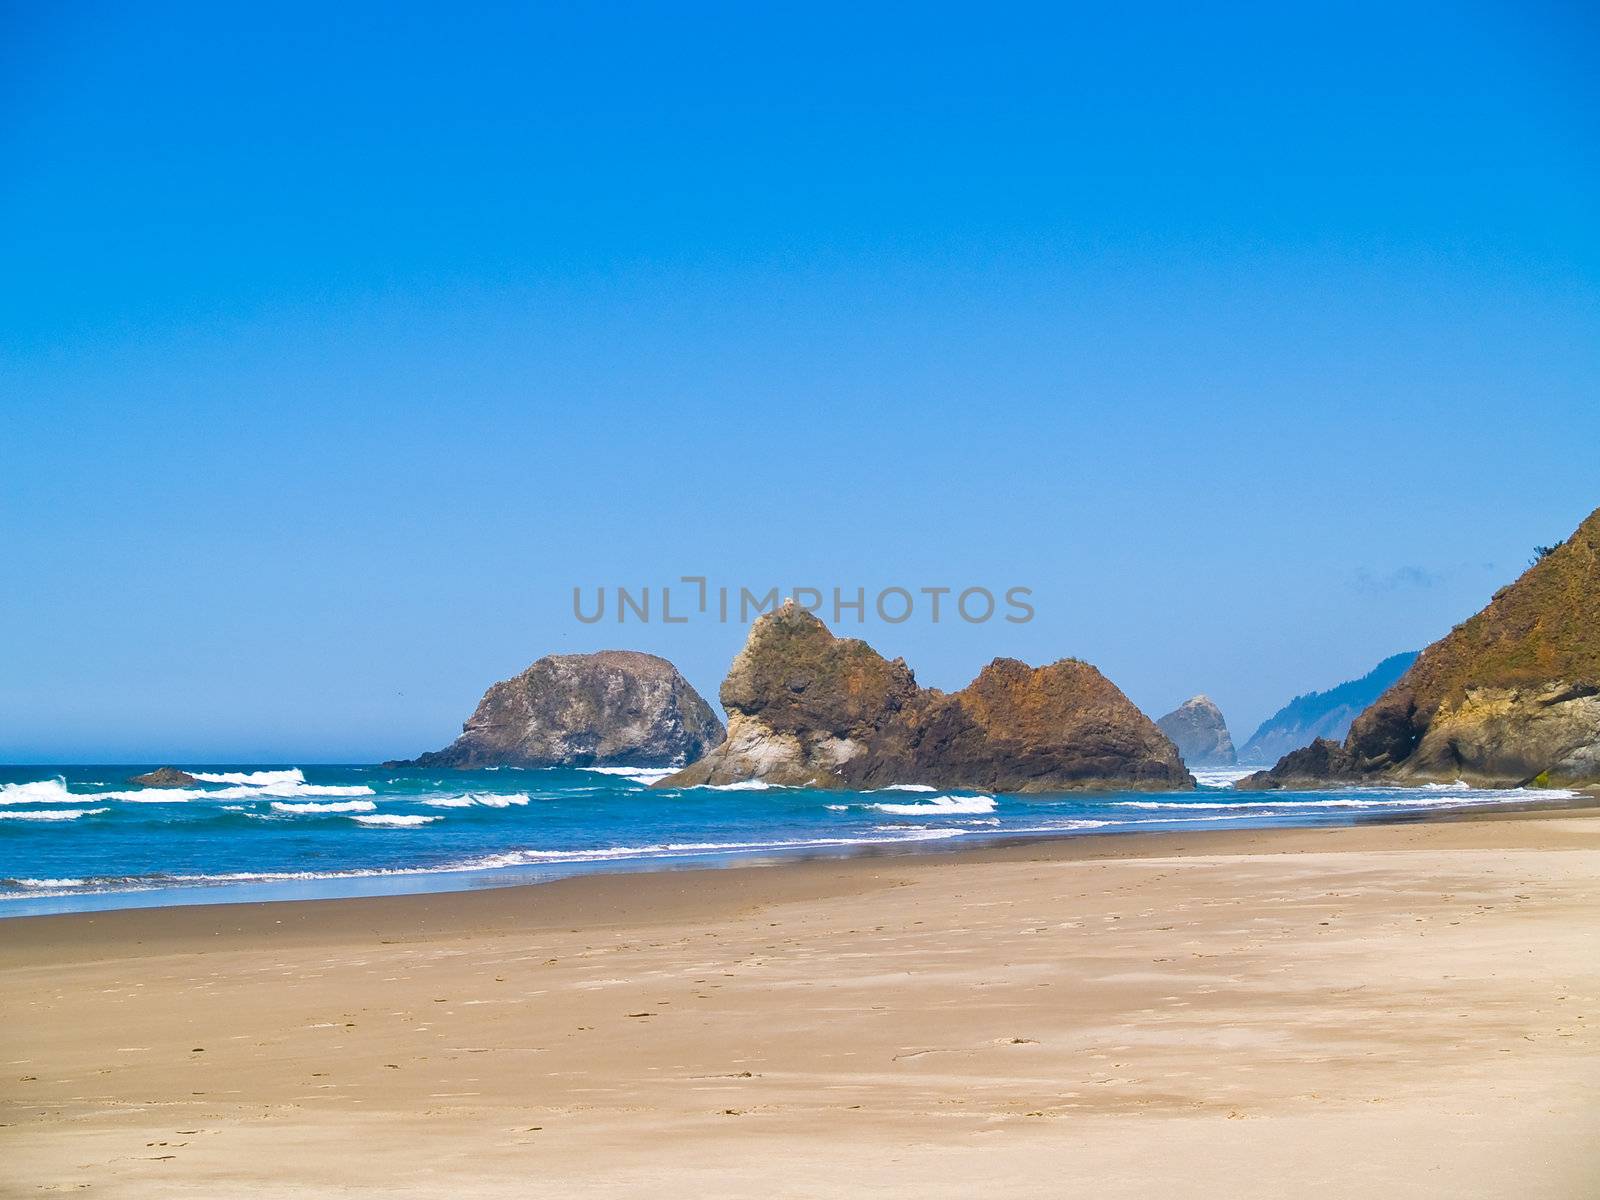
x,y
614,708
164,777
1509,697
808,709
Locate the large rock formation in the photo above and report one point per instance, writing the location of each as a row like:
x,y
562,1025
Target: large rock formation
x,y
1510,697
614,708
1196,727
807,709
1326,714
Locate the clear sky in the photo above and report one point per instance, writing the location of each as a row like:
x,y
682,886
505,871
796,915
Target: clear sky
x,y
1260,341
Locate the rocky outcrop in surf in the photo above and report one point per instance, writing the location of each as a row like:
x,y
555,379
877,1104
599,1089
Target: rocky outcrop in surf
x,y
1507,698
615,708
807,709
1196,727
1326,714
164,777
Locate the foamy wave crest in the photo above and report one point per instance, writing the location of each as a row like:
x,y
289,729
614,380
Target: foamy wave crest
x,y
480,800
743,785
907,787
637,774
395,820
284,791
52,814
42,791
332,806
250,778
1218,777
46,883
941,806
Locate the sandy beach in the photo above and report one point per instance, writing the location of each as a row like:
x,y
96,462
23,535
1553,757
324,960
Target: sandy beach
x,y
1387,1010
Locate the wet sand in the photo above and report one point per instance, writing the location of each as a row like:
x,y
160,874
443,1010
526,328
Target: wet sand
x,y
1386,1010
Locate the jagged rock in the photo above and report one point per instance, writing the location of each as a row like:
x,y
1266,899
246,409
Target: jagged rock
x,y
807,709
1196,727
1326,714
164,777
614,708
1509,697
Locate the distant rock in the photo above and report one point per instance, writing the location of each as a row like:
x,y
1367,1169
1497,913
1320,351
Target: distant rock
x,y
1509,697
164,777
1196,727
615,708
1322,714
807,709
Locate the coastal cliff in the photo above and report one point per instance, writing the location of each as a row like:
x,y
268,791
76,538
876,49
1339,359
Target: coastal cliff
x,y
807,709
614,708
1326,714
1509,697
1196,727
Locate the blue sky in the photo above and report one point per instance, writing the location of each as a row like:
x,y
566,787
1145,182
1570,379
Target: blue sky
x,y
336,350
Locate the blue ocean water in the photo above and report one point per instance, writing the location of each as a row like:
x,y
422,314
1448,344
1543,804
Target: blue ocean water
x,y
77,838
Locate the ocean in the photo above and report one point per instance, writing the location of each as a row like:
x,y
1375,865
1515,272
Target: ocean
x,y
84,838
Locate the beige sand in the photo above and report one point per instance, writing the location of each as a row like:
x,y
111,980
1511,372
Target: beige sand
x,y
1394,1011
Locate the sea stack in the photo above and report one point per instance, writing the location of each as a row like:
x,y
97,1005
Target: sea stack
x,y
1196,727
164,777
807,709
615,708
1510,697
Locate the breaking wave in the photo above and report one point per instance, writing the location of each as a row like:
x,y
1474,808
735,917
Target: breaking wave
x,y
249,778
941,806
332,806
637,774
479,800
43,791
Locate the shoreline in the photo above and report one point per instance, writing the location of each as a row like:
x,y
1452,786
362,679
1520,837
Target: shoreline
x,y
279,836
667,892
337,888
1354,1011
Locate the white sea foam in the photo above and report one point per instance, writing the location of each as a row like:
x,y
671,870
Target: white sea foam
x,y
907,787
281,791
940,806
250,778
332,806
638,774
395,820
52,814
1218,777
40,791
50,883
743,785
54,791
479,800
